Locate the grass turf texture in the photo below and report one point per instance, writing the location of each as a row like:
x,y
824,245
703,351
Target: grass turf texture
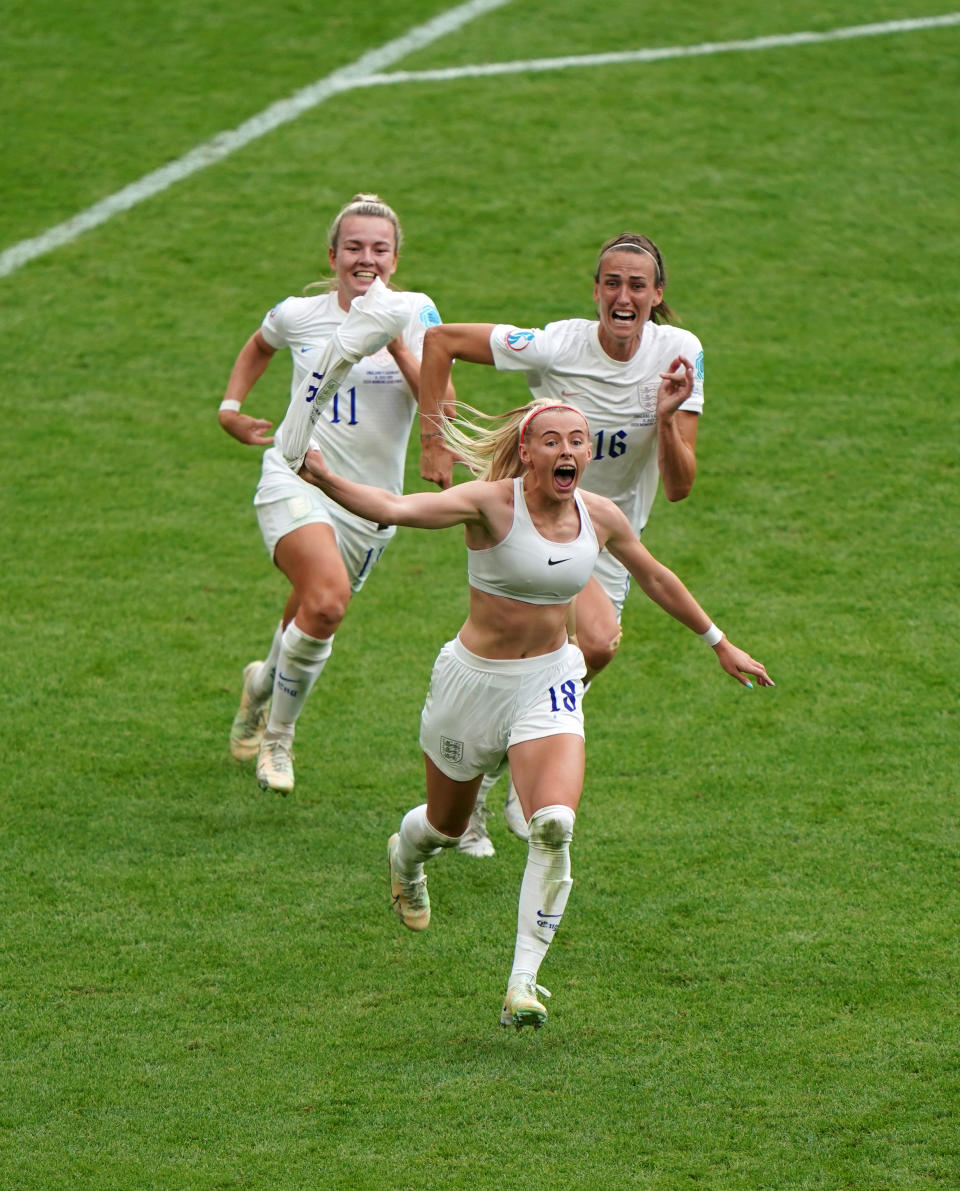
x,y
755,984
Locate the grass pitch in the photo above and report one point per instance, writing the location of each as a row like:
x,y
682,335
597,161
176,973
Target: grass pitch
x,y
755,983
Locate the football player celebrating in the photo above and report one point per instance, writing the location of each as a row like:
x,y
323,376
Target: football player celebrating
x,y
508,688
325,552
644,427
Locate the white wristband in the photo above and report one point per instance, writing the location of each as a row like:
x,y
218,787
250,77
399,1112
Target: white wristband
x,y
712,635
230,404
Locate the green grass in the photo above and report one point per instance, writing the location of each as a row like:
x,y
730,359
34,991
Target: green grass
x,y
755,984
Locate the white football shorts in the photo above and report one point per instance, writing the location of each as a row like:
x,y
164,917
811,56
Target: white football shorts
x,y
477,707
359,543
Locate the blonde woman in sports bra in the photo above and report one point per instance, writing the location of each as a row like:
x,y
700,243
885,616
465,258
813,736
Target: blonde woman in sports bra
x,y
508,688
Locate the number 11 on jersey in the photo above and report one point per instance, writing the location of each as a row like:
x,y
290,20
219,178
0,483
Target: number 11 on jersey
x,y
335,407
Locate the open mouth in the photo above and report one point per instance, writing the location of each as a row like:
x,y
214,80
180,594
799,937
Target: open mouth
x,y
624,318
565,476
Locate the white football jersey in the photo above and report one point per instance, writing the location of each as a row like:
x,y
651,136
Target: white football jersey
x,y
364,427
565,363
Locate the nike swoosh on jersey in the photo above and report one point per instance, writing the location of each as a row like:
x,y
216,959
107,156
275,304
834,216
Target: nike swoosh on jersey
x,y
552,562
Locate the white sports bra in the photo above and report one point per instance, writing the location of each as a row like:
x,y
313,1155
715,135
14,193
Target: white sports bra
x,y
528,567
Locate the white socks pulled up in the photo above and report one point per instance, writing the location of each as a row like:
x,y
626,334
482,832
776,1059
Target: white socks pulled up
x,y
544,889
300,661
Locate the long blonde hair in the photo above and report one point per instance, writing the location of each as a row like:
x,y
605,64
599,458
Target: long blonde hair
x,y
489,444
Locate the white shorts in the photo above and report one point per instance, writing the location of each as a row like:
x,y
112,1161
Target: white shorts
x,y
614,578
360,544
477,707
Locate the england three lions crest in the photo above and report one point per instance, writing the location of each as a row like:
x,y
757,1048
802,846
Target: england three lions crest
x,y
451,750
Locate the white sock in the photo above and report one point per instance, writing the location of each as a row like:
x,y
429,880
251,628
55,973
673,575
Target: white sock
x,y
262,682
417,842
299,664
489,781
544,888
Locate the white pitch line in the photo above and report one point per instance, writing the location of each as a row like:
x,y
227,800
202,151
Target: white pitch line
x,y
225,143
354,76
659,54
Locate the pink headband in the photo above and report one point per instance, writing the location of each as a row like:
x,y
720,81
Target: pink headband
x,y
541,409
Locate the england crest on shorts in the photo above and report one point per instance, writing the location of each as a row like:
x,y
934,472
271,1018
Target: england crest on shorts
x,y
451,750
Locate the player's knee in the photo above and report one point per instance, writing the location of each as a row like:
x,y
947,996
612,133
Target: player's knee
x,y
551,828
321,612
600,652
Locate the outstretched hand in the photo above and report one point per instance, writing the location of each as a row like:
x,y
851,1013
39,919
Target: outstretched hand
x,y
740,664
676,385
244,428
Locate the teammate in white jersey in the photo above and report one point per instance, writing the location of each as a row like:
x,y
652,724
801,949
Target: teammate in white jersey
x,y
325,552
509,686
644,426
